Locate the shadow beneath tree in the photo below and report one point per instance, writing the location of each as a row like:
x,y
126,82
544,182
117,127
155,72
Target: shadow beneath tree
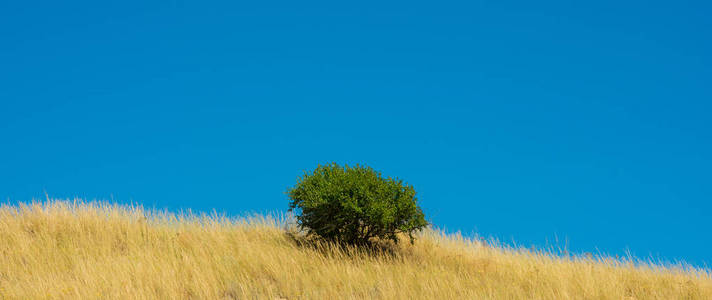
x,y
377,249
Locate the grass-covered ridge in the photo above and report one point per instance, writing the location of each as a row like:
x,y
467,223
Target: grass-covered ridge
x,y
61,249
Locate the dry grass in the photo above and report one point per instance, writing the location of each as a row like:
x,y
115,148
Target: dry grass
x,y
61,249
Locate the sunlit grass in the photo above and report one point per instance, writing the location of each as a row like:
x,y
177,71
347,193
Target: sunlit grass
x,y
75,249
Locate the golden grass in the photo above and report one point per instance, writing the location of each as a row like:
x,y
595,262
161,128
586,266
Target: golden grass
x,y
68,250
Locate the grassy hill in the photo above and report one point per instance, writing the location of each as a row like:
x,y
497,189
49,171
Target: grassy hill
x,y
61,249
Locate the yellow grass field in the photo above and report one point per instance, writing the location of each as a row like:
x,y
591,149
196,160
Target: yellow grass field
x,y
87,250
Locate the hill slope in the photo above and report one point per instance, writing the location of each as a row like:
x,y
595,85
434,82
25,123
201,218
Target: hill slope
x,y
62,249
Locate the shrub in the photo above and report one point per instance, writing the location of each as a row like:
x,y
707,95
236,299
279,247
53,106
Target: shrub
x,y
352,205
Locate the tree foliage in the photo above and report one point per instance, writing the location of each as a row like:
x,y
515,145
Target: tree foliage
x,y
355,204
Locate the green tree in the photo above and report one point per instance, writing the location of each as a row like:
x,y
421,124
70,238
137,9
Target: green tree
x,y
354,204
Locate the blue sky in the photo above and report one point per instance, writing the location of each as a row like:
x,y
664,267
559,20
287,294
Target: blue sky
x,y
526,121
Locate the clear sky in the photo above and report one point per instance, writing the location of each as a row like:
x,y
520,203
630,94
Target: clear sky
x,y
527,121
